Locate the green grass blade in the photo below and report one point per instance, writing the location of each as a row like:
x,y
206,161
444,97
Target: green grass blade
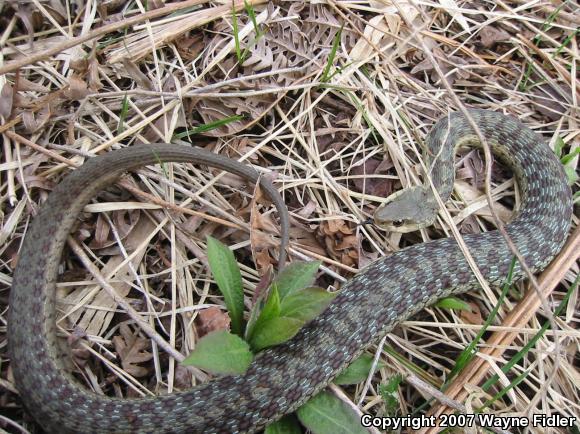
x,y
123,114
520,354
209,126
227,275
236,33
468,353
331,56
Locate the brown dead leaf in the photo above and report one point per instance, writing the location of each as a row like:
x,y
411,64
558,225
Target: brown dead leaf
x,y
264,262
305,237
6,100
263,231
30,17
34,121
97,321
210,320
135,73
131,349
307,209
182,377
80,355
26,85
335,227
469,226
490,35
34,181
340,242
471,166
124,221
447,64
369,184
473,317
57,10
262,286
93,75
155,4
189,46
366,258
548,101
77,88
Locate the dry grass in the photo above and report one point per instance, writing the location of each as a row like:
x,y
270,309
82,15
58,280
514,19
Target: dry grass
x,y
336,143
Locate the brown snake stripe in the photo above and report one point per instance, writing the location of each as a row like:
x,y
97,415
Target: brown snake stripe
x,y
281,378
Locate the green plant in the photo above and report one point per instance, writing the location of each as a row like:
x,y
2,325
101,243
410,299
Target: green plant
x,y
276,317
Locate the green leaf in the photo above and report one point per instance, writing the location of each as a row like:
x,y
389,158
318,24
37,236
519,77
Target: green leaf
x,y
209,126
236,33
569,157
287,425
295,276
306,304
389,394
571,175
559,146
468,353
325,75
252,15
229,280
274,331
123,114
326,414
453,303
358,370
221,352
270,310
272,307
530,344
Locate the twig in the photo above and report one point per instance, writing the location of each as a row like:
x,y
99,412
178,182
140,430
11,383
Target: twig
x,y
33,58
443,398
126,185
135,316
344,398
476,370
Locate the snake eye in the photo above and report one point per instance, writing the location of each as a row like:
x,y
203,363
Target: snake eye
x,y
398,223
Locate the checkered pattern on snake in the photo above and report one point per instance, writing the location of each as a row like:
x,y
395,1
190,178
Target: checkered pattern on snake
x,y
284,377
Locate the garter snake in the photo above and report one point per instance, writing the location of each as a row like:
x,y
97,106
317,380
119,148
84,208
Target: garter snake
x,y
281,378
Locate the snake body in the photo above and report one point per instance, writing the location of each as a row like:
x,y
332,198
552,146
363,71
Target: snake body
x,y
281,378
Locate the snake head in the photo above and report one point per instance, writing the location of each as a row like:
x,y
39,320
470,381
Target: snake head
x,y
407,210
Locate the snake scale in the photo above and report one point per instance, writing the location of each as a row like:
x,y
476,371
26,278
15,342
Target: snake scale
x,y
284,377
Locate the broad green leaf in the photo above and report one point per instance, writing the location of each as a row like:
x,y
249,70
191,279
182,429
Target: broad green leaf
x,y
358,370
229,280
326,414
270,310
569,157
272,307
453,303
389,394
571,174
559,146
295,276
287,425
306,304
274,331
221,352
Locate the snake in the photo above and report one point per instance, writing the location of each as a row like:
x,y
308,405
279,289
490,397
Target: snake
x,y
369,305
